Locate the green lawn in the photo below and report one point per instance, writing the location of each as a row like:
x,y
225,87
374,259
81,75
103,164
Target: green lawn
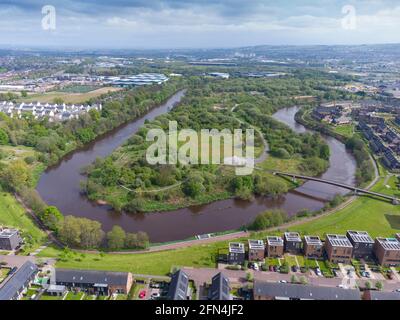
x,y
291,261
158,263
311,263
378,217
13,215
4,273
346,130
284,165
272,262
49,297
74,296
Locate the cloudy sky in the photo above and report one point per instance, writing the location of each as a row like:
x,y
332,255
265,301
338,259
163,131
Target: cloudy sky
x,y
197,23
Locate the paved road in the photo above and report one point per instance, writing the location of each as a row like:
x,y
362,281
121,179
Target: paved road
x,y
204,275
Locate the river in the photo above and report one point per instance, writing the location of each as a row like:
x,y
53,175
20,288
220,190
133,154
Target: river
x,y
60,186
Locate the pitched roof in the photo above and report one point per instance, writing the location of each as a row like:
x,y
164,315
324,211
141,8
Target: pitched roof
x,y
178,286
18,280
380,295
91,277
303,292
220,288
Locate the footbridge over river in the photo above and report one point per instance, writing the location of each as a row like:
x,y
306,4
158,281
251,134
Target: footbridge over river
x,y
356,190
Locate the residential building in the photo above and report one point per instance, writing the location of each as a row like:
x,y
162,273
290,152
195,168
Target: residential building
x,y
387,251
236,253
390,160
287,291
94,282
179,286
293,242
256,250
312,247
363,245
53,112
338,248
10,239
220,288
275,247
380,295
16,284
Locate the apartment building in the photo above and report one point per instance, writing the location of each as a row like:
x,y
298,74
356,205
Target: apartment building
x,y
293,243
338,248
363,245
313,247
275,247
10,239
237,253
256,250
387,251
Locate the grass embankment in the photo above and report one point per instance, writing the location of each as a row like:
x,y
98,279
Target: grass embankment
x,y
12,214
68,97
157,263
378,217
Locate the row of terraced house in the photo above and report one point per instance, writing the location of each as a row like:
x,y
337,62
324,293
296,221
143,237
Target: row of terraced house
x,y
54,112
336,248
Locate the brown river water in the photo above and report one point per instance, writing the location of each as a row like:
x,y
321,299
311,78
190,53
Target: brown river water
x,y
60,186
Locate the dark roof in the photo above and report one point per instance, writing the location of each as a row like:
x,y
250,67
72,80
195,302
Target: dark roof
x,y
379,295
303,292
18,280
179,286
91,277
220,288
359,236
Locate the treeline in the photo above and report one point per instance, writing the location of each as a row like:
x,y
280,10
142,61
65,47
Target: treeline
x,y
365,169
82,233
54,139
87,234
268,219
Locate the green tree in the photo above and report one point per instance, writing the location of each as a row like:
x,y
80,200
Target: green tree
x,y
51,217
116,238
81,232
15,175
379,285
193,186
58,100
4,139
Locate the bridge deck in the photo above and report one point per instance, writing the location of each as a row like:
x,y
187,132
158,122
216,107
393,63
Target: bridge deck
x,y
337,184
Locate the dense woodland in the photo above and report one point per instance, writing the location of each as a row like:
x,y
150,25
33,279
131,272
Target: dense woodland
x,y
125,180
